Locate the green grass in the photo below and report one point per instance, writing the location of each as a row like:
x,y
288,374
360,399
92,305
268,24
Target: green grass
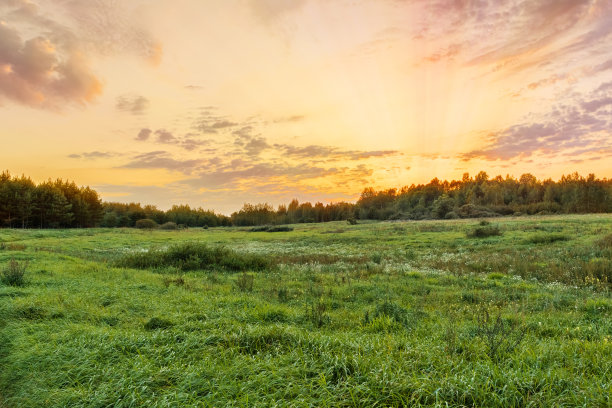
x,y
373,314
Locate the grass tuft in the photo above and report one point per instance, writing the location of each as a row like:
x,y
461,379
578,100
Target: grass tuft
x,y
605,242
484,231
194,256
14,273
158,323
547,238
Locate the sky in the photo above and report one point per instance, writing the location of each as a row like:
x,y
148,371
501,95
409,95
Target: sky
x,y
218,103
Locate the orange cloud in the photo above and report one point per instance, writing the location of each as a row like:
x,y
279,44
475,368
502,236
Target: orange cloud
x,y
43,74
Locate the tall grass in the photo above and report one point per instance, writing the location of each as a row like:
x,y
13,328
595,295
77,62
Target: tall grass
x,y
14,273
190,256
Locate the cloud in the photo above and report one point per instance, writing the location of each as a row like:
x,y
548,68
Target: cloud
x,y
41,72
46,49
512,35
162,160
135,104
163,136
93,155
270,11
111,27
329,152
255,146
244,132
260,173
188,142
569,129
144,134
290,119
449,53
205,126
596,104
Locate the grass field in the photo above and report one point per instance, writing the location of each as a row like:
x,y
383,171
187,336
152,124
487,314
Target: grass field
x,y
513,313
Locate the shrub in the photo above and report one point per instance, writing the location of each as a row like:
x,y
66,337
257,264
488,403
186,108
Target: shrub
x,y
501,336
14,273
484,231
168,226
146,223
382,324
392,311
605,242
194,256
245,282
547,239
280,229
283,294
271,228
180,281
351,221
12,246
317,313
451,215
475,211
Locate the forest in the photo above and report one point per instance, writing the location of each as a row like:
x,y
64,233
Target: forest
x,y
63,204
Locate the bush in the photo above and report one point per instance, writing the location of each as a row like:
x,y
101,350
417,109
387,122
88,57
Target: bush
x,y
547,239
168,226
14,273
484,231
390,310
317,313
245,282
605,242
194,256
475,211
146,223
262,228
280,229
501,336
451,215
351,221
271,228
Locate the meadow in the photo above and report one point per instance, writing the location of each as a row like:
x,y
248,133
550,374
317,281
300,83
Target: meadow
x,y
507,312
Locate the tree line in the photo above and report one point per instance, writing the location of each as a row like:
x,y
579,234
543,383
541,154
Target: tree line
x,y
50,204
481,196
62,204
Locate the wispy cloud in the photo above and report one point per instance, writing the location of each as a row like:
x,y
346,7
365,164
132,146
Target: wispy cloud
x,y
329,152
580,127
161,159
93,155
134,104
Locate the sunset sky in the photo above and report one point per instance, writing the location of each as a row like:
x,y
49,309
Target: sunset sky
x,y
217,103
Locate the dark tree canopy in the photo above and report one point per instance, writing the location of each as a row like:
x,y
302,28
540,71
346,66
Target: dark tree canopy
x,y
62,204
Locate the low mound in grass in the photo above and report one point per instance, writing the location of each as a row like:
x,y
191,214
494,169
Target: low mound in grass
x,y
484,231
195,256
